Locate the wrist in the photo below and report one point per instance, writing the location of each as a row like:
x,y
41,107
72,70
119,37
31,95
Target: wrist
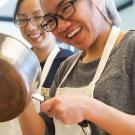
x,y
93,109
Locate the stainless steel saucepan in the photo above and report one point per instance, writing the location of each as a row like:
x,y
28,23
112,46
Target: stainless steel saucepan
x,y
19,76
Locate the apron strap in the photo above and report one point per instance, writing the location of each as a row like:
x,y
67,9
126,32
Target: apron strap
x,y
105,56
48,65
72,66
106,52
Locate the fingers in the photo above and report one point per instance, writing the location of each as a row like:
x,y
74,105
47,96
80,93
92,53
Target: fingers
x,y
51,106
47,105
64,108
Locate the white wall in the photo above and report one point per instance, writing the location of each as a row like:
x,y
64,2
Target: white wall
x,y
10,29
128,18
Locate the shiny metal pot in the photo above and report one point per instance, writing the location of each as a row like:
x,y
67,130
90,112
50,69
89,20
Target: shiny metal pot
x,y
19,76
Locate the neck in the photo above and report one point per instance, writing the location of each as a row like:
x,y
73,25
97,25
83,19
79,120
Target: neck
x,y
96,49
43,53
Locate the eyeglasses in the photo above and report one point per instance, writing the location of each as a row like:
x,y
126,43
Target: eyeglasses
x,y
23,20
64,12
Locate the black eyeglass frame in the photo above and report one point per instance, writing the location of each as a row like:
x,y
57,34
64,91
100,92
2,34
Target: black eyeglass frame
x,y
56,16
28,19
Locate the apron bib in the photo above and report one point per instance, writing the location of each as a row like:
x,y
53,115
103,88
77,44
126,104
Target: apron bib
x,y
87,90
45,71
47,66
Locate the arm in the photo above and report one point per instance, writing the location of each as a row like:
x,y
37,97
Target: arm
x,y
30,122
72,109
110,119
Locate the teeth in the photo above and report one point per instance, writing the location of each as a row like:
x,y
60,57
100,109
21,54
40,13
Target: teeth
x,y
70,35
35,36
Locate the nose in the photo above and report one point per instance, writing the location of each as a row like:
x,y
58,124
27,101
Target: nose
x,y
30,26
63,25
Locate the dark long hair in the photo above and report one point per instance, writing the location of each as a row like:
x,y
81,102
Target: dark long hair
x,y
16,9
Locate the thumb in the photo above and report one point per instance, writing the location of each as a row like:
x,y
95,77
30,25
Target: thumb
x,y
46,106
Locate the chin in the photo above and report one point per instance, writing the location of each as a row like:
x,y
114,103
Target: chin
x,y
35,43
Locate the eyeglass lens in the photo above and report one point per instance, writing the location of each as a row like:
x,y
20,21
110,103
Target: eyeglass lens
x,y
51,22
23,20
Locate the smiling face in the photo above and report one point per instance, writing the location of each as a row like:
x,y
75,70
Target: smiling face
x,y
80,30
34,34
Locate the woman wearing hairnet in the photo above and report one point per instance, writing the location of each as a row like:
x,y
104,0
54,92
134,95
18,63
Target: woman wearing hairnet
x,y
94,91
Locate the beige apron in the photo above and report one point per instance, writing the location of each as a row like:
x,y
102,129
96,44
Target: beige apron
x,y
75,129
48,65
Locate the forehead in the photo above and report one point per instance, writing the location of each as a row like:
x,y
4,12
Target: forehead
x,y
28,6
51,5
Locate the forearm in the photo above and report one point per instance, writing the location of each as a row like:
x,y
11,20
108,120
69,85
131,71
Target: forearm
x,y
111,120
30,122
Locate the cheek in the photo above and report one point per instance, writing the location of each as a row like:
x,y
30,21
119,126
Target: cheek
x,y
60,37
57,34
42,31
23,32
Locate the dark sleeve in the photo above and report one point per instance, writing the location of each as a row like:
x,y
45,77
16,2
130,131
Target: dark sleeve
x,y
50,129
